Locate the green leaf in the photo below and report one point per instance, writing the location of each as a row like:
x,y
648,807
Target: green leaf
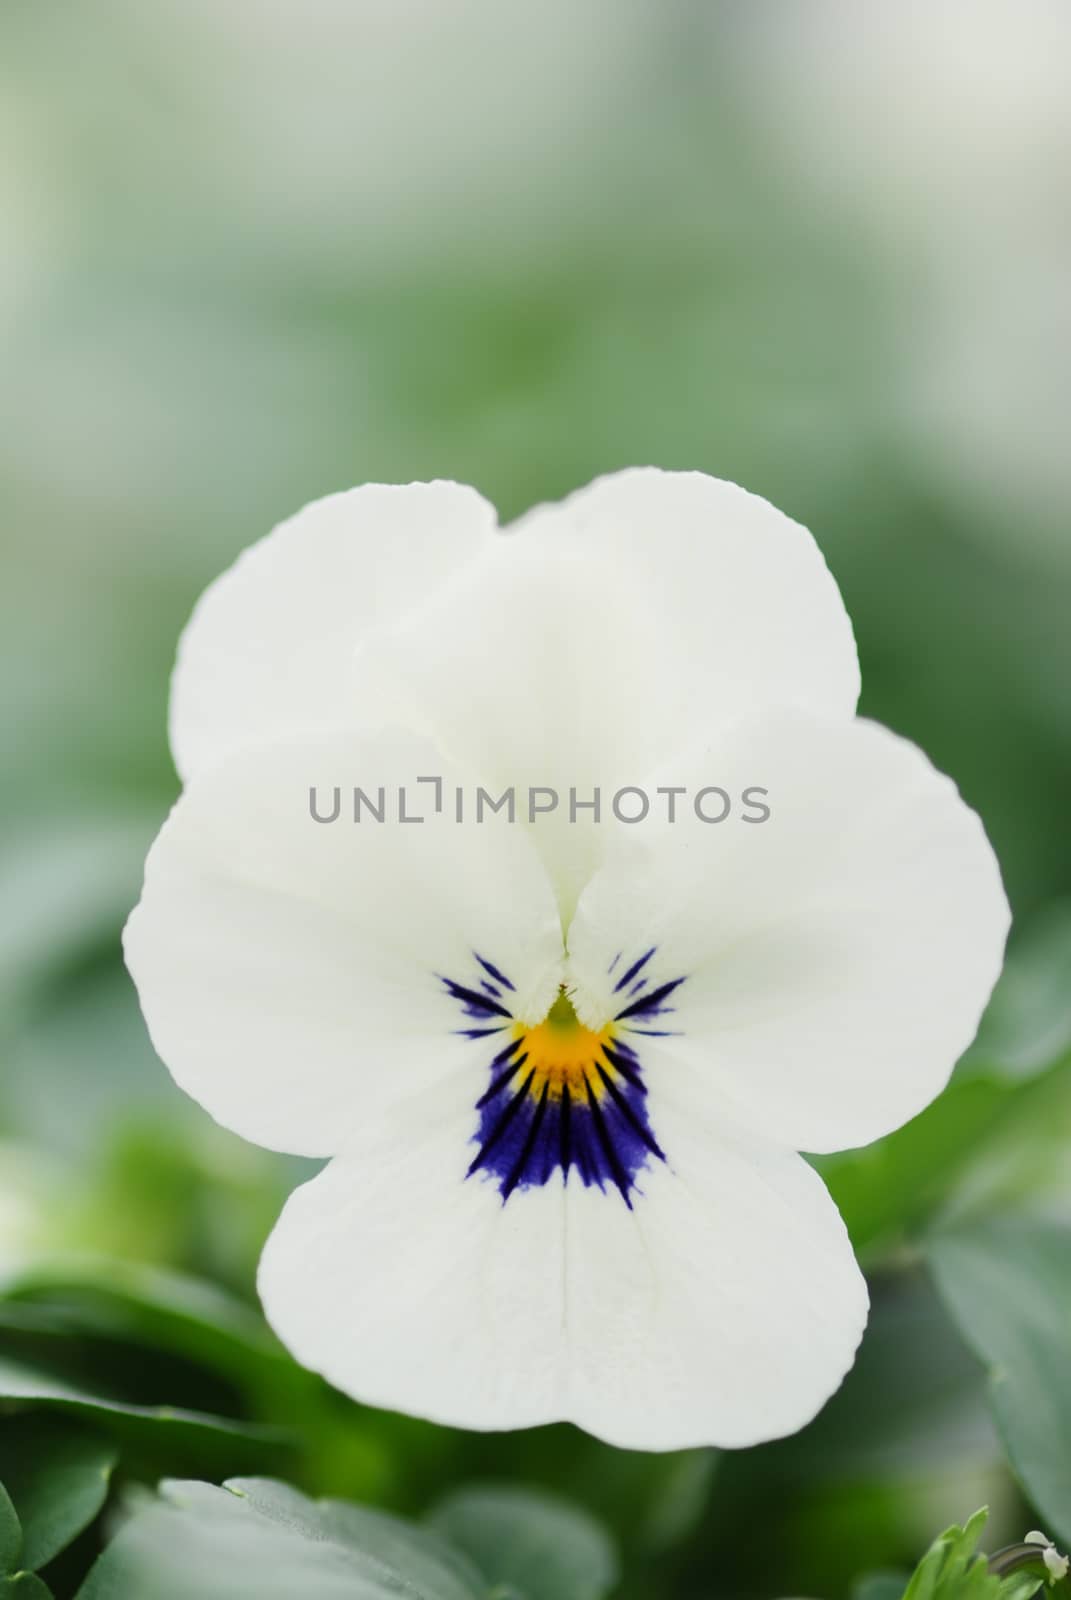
x,y
24,1586
954,1569
915,1399
881,1586
18,1585
529,1544
1028,1023
183,1435
1022,1585
985,1141
1007,1283
255,1539
420,1557
900,1182
996,1134
170,1311
66,884
10,1533
57,1474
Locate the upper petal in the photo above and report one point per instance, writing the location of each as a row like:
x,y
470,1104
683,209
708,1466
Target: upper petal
x,y
269,648
292,972
742,593
600,635
836,957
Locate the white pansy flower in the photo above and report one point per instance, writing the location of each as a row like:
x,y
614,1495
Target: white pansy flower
x,y
562,1068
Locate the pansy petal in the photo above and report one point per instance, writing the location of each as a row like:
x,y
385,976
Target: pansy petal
x,y
723,1307
269,648
415,1289
600,634
755,615
836,957
293,973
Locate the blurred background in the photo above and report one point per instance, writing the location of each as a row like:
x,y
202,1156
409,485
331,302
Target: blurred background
x,y
252,252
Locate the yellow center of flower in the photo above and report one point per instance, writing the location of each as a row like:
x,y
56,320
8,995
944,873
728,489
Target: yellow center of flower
x,y
563,1097
562,1053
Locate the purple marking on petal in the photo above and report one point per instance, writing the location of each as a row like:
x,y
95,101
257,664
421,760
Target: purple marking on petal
x,y
499,1083
493,971
650,1005
473,1003
528,1129
636,967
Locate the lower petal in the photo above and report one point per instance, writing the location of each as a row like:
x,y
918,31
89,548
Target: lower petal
x,y
722,1308
413,1288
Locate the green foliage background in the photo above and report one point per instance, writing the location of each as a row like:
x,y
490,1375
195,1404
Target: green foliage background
x,y
256,252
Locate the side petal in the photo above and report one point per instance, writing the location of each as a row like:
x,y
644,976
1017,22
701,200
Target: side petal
x,y
268,650
723,1308
836,957
601,634
292,972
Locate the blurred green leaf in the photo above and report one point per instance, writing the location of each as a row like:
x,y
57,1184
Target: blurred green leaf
x,y
255,1539
651,1502
15,1582
1024,1162
985,1139
67,884
181,1435
1028,1023
1007,1282
24,1586
998,1127
10,1532
881,1586
168,1311
913,1402
528,1544
57,1474
678,1484
895,1185
174,1189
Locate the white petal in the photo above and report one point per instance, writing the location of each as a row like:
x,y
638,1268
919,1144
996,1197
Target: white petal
x,y
724,1308
269,648
415,1289
743,590
291,971
837,958
603,633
